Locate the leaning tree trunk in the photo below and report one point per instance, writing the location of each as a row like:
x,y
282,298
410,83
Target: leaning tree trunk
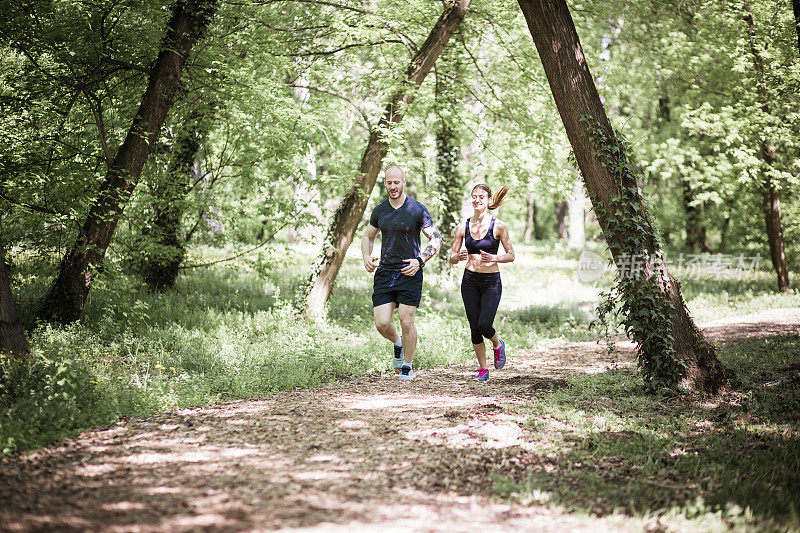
x,y
771,195
351,210
671,348
12,337
66,298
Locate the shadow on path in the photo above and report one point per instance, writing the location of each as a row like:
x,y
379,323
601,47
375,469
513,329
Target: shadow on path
x,y
365,454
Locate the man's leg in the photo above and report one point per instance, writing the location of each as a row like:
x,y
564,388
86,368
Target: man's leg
x,y
383,320
406,313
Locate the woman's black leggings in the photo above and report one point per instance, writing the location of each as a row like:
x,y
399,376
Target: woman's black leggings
x,y
481,294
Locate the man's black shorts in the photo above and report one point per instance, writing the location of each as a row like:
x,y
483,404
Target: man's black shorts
x,y
394,286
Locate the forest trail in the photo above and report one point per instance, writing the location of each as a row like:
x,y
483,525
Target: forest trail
x,y
365,454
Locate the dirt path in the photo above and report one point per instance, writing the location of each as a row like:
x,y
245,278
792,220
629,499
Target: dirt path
x,y
363,455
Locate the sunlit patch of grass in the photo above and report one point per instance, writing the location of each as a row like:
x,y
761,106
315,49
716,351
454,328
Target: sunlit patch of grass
x,y
690,460
707,306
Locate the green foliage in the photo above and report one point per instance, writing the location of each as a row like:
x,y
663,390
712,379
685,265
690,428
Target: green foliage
x,y
47,400
682,81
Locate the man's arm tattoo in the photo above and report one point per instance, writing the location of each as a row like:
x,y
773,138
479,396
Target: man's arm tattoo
x,y
434,245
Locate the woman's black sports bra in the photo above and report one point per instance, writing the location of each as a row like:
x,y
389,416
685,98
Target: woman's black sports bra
x,y
488,243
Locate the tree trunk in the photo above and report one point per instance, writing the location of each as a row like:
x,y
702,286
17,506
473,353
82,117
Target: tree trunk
x,y
12,337
351,210
772,201
772,214
561,215
160,267
291,234
696,239
538,228
723,235
577,229
670,347
66,298
530,217
449,187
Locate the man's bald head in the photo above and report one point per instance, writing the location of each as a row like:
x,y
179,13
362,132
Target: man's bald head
x,y
395,181
395,172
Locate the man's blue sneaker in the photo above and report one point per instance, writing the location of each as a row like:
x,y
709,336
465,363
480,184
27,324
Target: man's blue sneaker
x,y
406,372
397,362
500,356
483,375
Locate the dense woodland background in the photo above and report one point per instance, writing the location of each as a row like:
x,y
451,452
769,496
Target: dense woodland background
x,y
278,98
144,260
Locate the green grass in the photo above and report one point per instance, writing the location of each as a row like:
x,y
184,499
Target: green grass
x,y
692,461
232,331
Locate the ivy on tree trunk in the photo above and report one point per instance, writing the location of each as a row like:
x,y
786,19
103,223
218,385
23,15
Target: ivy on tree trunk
x,y
449,186
164,246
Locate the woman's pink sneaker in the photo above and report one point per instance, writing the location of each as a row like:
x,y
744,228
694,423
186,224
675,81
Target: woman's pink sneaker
x,y
483,375
500,355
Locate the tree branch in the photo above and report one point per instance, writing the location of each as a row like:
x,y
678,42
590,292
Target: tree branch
x,y
58,131
389,25
341,48
125,64
346,98
320,2
31,207
97,111
268,240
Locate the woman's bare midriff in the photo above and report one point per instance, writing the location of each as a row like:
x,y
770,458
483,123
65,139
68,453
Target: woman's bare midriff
x,y
475,264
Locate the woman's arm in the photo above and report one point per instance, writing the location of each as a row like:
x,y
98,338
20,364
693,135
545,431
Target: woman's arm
x,y
501,232
456,254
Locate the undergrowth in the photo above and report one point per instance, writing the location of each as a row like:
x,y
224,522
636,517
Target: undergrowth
x,y
232,331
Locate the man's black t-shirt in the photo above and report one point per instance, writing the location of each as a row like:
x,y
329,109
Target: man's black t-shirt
x,y
400,228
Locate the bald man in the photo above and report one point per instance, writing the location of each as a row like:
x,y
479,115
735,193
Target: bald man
x,y
398,277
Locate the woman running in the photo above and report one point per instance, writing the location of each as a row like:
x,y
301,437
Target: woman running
x,y
481,286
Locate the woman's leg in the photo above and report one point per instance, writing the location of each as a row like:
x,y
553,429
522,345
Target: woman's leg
x,y
480,353
490,301
472,306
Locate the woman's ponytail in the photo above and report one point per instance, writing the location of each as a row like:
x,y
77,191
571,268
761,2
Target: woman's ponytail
x,y
499,198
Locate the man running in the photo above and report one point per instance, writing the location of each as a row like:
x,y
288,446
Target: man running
x,y
398,278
